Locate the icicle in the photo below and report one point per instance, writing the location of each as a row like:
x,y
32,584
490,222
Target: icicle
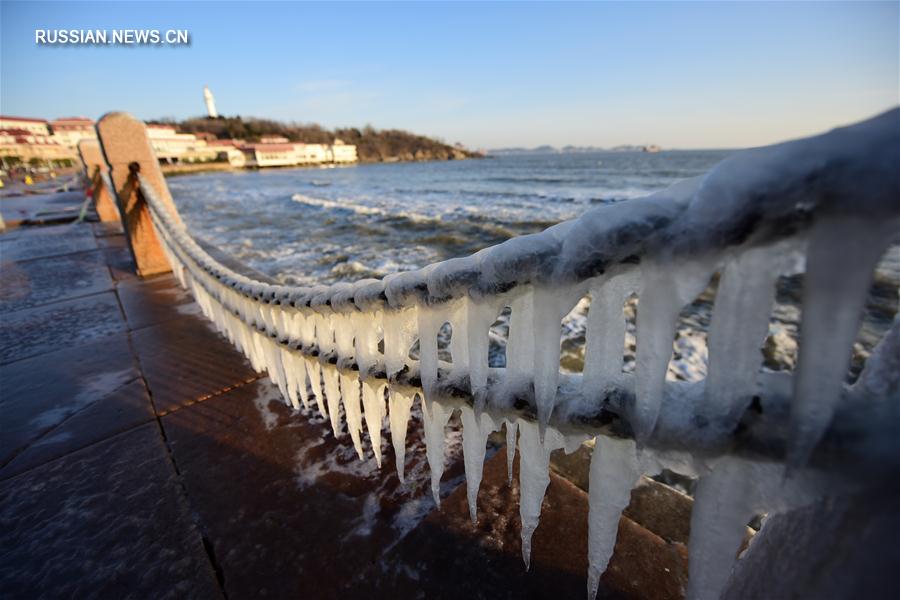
x,y
550,306
350,398
315,381
298,368
841,259
373,408
331,383
520,343
614,472
343,336
476,430
400,405
724,503
605,346
293,383
459,347
430,322
534,477
367,327
511,431
400,331
436,418
324,334
479,318
665,290
739,325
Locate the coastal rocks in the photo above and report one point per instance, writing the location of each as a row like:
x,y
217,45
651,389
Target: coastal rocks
x,y
780,349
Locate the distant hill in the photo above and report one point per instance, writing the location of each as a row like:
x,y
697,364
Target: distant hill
x,y
570,150
372,145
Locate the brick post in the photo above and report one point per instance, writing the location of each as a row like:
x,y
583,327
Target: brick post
x,y
127,150
94,167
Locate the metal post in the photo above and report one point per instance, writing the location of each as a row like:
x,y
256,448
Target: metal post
x,y
127,150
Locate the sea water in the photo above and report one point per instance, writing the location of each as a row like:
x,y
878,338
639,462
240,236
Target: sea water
x,y
308,226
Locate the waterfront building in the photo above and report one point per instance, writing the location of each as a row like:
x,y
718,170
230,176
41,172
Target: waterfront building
x,y
312,153
33,126
173,147
229,150
23,147
339,152
270,155
69,131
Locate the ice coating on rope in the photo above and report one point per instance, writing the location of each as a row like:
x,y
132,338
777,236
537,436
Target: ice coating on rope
x,y
400,405
605,346
754,198
373,409
614,471
839,267
476,429
436,417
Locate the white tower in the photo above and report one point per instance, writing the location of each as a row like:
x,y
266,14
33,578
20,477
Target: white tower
x,y
210,103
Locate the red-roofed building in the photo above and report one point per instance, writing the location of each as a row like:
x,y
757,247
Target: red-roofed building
x,y
35,126
69,131
19,146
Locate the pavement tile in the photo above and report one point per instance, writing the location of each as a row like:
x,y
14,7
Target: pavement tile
x,y
448,557
54,240
36,204
185,361
108,521
30,283
123,409
289,510
60,325
40,393
155,300
121,263
107,228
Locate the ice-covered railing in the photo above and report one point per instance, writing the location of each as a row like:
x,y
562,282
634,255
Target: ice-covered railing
x,y
760,442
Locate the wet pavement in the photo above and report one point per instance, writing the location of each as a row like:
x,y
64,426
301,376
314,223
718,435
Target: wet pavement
x,y
141,456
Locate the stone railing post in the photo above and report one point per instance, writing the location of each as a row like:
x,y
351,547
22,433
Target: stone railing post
x,y
127,150
94,167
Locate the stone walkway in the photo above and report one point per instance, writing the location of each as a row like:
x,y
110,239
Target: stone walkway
x,y
141,456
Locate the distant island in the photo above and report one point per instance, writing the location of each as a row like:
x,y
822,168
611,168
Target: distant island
x,y
372,145
652,148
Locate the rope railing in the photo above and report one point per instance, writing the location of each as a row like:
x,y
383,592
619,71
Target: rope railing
x,y
826,206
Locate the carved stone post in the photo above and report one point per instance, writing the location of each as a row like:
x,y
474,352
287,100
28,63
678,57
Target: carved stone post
x,y
94,167
127,150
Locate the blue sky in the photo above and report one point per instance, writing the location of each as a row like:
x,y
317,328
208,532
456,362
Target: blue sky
x,y
679,74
